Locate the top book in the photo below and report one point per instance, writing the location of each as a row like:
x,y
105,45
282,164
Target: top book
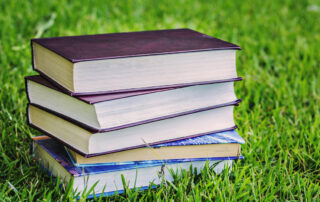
x,y
121,62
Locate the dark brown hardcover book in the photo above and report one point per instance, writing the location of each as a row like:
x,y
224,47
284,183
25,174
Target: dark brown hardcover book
x,y
96,98
79,136
120,62
108,112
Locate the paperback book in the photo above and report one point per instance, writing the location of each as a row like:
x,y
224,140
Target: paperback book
x,y
107,179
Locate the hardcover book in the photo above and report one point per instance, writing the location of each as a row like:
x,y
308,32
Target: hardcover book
x,y
55,160
222,145
89,143
121,110
123,62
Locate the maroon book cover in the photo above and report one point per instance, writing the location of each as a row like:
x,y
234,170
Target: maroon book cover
x,y
129,44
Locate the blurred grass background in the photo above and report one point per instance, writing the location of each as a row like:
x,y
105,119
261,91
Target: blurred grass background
x,y
278,118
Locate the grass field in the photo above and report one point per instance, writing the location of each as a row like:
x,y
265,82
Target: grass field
x,y
279,117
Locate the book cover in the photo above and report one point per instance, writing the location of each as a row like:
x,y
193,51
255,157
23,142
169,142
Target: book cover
x,y
120,45
230,136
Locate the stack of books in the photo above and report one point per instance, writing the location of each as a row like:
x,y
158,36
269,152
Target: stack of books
x,y
133,106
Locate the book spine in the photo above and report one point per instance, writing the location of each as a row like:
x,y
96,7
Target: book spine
x,y
26,88
32,56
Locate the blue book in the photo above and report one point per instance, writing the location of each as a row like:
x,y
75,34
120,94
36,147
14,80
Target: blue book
x,y
223,145
107,179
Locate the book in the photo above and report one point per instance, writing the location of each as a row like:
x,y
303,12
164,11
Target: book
x,y
114,111
56,162
122,62
224,144
90,143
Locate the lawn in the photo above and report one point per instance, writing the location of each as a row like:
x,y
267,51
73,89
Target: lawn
x,y
279,117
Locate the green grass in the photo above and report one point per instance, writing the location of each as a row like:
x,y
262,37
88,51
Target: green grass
x,y
278,118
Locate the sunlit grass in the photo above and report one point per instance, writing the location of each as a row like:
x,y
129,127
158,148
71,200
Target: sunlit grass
x,y
278,118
